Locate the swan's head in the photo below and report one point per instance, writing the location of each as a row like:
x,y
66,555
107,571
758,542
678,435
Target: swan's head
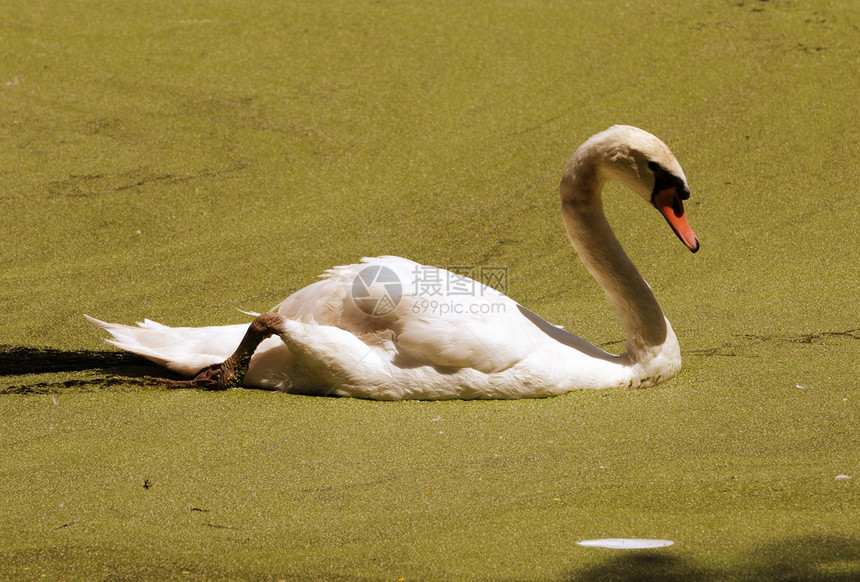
x,y
644,164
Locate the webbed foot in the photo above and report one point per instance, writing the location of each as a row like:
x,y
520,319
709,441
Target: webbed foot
x,y
215,377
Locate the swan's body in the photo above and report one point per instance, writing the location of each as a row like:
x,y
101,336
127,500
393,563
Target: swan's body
x,y
389,328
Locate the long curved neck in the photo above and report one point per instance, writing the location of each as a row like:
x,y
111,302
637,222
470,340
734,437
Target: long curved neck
x,y
631,298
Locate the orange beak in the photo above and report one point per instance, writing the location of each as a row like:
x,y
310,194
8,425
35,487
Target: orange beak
x,y
670,206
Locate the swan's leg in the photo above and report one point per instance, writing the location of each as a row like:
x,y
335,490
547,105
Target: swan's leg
x,y
231,372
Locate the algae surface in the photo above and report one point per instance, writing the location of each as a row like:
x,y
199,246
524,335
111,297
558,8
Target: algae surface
x,y
177,162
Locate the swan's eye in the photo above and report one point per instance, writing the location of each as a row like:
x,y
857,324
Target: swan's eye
x,y
653,166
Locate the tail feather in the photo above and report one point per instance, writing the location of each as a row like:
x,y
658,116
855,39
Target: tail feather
x,y
185,350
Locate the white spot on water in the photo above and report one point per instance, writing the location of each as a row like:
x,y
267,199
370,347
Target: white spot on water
x,y
626,543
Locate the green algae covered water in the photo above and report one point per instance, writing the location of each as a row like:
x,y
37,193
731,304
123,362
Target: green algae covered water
x,y
182,162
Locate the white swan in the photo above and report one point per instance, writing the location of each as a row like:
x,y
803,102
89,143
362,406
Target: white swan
x,y
391,329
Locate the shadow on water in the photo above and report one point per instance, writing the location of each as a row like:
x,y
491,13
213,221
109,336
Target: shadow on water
x,y
110,368
97,370
830,558
17,361
643,566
